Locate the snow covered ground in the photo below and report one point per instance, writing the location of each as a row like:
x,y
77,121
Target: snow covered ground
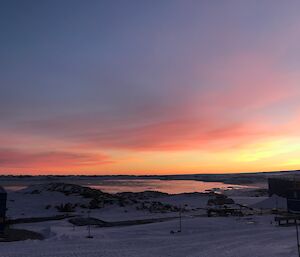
x,y
201,236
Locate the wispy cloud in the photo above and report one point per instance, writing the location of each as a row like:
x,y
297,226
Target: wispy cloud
x,y
12,158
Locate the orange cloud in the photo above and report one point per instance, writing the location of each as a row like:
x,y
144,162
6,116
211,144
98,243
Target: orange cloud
x,y
23,159
239,109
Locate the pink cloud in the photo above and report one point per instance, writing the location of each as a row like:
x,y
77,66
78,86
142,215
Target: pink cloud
x,y
11,158
232,112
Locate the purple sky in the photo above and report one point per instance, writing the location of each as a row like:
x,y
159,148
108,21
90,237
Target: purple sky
x,y
149,86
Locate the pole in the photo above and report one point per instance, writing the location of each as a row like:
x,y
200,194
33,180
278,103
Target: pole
x,y
180,219
89,226
297,237
89,231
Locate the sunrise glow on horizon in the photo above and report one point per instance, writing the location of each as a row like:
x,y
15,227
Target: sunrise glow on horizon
x,y
149,87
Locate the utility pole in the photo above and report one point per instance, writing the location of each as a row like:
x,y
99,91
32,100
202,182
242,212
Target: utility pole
x,y
297,237
180,219
89,226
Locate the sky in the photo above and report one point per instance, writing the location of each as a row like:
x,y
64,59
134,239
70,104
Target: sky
x,y
149,87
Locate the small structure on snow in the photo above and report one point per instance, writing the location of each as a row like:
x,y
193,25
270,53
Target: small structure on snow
x,y
222,205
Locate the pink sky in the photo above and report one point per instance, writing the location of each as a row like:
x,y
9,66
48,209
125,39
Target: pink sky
x,y
149,88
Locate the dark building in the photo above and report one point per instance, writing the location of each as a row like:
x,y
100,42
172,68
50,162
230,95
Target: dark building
x,y
289,188
282,185
3,197
293,200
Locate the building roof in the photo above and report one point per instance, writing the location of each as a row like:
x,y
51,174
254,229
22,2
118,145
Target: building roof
x,y
286,178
